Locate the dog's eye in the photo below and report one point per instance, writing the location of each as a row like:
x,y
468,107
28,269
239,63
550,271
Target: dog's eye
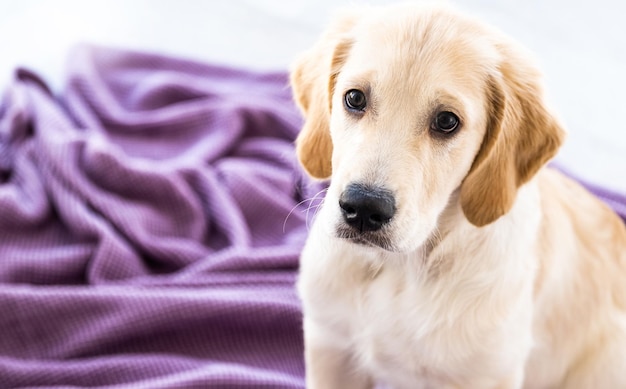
x,y
445,122
355,100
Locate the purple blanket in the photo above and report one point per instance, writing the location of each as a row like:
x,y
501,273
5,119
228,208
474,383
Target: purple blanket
x,y
149,235
150,227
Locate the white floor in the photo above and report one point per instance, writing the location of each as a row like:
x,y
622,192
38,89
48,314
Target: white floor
x,y
581,45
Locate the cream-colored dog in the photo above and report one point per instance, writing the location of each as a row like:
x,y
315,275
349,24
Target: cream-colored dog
x,y
445,255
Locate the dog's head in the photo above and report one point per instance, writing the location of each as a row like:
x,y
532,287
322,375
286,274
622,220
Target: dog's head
x,y
411,108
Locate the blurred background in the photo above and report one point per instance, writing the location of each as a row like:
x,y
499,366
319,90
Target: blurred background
x,y
581,46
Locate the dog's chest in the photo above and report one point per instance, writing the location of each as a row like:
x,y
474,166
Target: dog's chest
x,y
407,328
407,334
399,333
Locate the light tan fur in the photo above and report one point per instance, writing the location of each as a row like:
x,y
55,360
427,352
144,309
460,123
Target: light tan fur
x,y
494,272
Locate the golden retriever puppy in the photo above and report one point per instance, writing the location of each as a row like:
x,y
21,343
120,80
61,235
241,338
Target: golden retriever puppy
x,y
445,255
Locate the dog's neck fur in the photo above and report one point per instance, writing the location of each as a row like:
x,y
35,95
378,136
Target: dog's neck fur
x,y
439,254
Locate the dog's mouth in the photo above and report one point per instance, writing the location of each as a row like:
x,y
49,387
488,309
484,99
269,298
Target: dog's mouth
x,y
370,239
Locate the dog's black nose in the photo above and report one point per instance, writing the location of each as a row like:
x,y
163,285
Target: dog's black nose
x,y
365,208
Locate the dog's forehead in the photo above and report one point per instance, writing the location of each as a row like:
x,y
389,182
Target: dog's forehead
x,y
422,45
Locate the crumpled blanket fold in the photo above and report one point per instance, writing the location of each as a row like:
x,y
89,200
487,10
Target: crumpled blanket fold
x,y
151,218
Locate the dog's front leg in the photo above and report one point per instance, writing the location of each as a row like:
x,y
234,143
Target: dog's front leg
x,y
330,368
515,381
329,363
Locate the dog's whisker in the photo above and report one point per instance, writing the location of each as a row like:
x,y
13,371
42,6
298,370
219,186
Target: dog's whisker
x,y
319,195
316,209
311,205
291,212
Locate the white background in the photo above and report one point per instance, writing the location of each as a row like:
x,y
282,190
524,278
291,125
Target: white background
x,y
581,46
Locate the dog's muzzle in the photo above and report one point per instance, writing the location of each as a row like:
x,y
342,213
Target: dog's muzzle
x,y
366,208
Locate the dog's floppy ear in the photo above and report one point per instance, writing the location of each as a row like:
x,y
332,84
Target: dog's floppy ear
x,y
313,80
522,135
